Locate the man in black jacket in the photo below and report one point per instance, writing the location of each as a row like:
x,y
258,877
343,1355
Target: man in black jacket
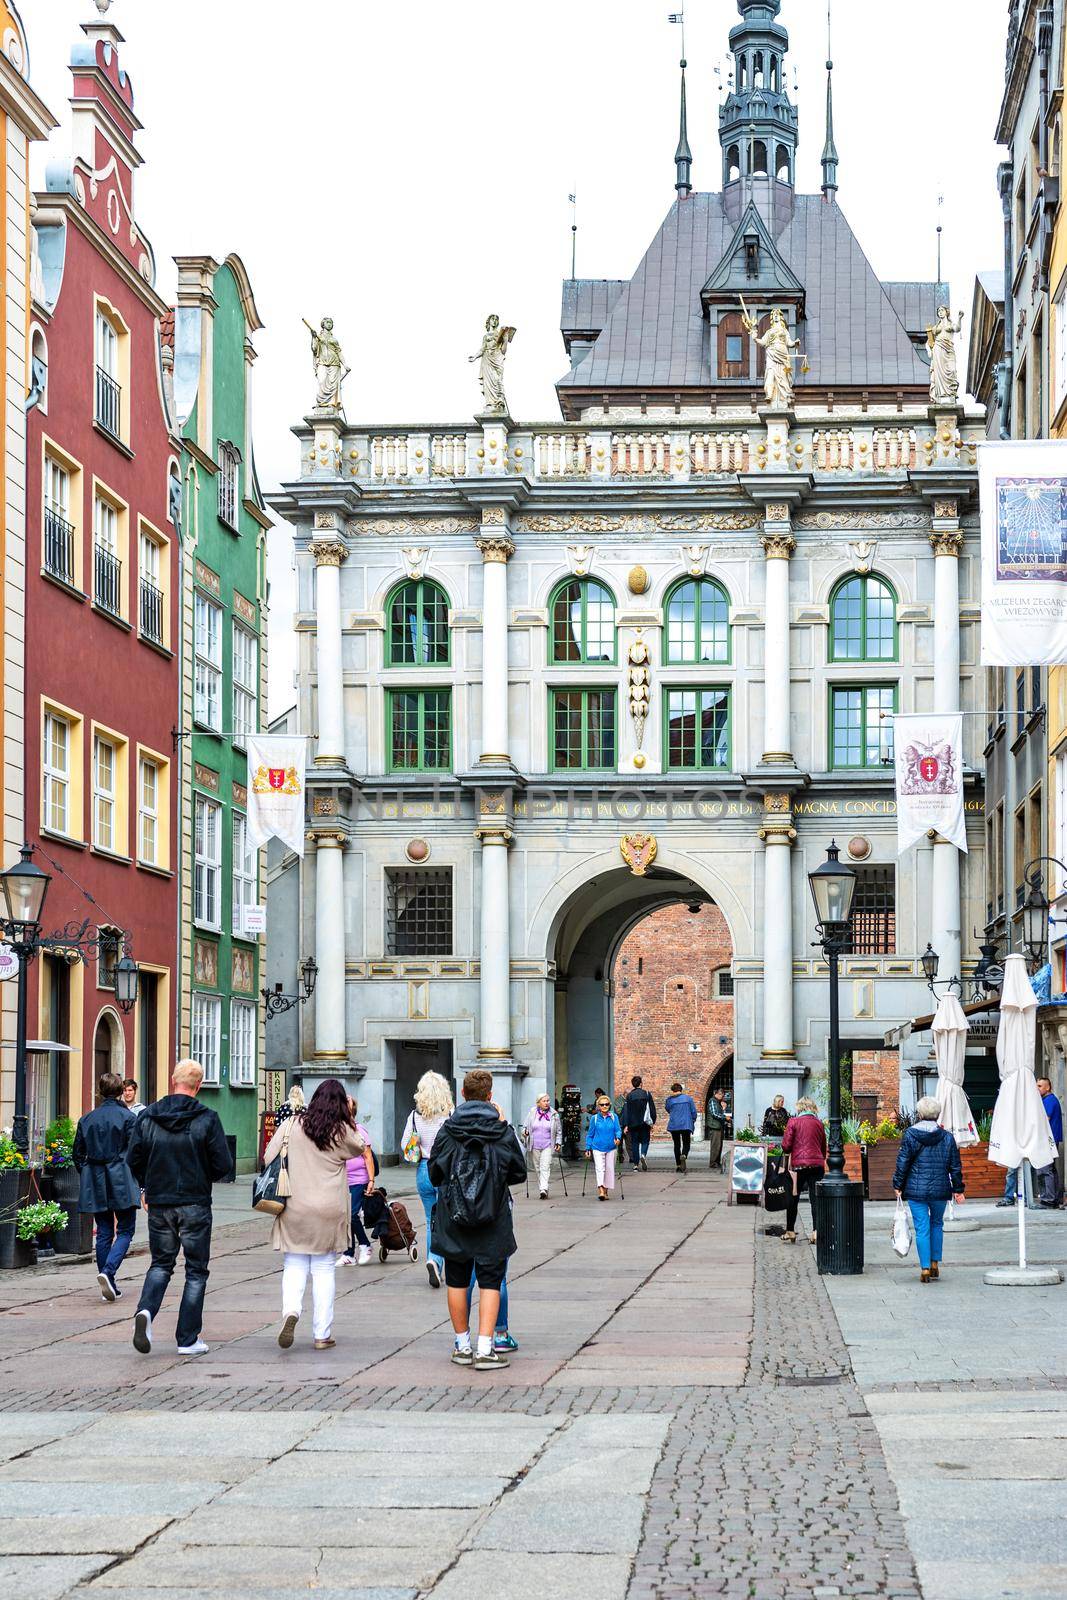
x,y
176,1152
106,1185
638,1117
476,1157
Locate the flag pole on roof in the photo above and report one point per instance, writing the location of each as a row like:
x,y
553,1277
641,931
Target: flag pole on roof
x,y
683,155
829,154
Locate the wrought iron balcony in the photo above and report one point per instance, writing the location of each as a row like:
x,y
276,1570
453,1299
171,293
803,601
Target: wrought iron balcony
x,y
107,581
58,546
108,413
151,611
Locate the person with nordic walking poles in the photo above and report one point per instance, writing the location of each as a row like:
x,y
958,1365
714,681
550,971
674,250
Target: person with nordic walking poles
x,y
928,1175
543,1133
433,1106
602,1140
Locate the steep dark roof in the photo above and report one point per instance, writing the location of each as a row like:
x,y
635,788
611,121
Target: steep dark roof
x,y
916,304
656,336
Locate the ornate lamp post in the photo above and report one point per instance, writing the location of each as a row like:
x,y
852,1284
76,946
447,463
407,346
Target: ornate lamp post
x,y
275,1003
838,1201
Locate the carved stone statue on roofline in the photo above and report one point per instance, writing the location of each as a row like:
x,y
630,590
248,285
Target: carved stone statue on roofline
x,y
490,357
780,352
944,369
329,364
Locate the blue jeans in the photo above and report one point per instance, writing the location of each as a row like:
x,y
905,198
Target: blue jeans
x,y
356,1191
428,1196
929,1219
639,1137
170,1229
1011,1184
114,1235
502,1314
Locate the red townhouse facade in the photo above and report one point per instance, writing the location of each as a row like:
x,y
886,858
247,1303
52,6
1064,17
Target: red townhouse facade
x,y
103,590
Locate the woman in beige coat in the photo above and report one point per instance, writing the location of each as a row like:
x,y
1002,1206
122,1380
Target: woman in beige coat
x,y
313,1228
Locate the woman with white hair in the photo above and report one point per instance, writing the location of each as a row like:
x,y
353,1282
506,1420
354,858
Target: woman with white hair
x,y
433,1106
804,1145
928,1175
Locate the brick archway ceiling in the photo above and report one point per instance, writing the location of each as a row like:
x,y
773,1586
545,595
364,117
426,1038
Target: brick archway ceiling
x,y
610,905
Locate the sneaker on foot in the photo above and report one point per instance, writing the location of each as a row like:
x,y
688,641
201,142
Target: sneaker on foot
x,y
1001,1203
346,1261
142,1333
288,1329
543,1195
364,1255
490,1362
644,1164
433,1272
462,1358
197,1348
503,1341
107,1286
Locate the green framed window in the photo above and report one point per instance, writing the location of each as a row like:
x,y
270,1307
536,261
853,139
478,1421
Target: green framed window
x,y
583,624
417,625
583,730
698,623
860,735
696,724
420,729
863,621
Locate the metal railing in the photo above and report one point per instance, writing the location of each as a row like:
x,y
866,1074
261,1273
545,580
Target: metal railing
x,y
108,412
107,581
58,546
151,611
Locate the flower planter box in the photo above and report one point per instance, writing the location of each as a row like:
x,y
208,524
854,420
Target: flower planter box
x,y
982,1178
881,1164
854,1163
77,1237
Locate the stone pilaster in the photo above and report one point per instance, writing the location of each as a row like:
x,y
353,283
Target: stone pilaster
x,y
494,833
330,1042
778,546
329,551
497,548
778,836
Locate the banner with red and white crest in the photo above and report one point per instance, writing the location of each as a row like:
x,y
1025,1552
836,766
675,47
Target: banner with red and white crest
x,y
276,790
929,761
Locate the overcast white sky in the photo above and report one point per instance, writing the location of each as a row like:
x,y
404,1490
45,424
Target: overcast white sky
x,y
405,168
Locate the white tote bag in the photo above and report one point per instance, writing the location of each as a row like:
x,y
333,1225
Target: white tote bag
x,y
648,1114
901,1234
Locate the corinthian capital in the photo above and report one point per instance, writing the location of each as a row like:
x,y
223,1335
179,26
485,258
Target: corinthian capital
x,y
778,546
947,544
495,546
329,552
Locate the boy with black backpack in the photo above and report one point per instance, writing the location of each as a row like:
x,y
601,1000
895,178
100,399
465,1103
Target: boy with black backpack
x,y
476,1158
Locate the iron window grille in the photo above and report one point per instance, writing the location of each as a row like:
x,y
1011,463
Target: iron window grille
x,y
58,546
724,984
151,611
873,924
419,912
107,584
108,411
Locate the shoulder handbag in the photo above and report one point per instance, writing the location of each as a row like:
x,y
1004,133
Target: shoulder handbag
x,y
270,1190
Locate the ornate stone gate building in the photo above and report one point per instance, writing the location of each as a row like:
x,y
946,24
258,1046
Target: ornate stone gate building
x,y
558,675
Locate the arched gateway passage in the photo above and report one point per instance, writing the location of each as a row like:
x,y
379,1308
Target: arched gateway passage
x,y
642,984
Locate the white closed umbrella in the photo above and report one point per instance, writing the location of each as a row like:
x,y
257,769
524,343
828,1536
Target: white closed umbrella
x,y
950,1047
1020,1130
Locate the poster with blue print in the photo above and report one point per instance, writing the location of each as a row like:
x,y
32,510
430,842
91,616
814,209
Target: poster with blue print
x,y
1023,490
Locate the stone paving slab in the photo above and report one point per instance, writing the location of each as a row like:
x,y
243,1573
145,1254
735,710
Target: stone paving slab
x,y
545,1577
532,1521
46,1577
104,1534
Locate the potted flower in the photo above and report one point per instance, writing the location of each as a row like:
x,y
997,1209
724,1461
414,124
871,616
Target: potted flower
x,y
882,1143
38,1223
64,1183
854,1151
14,1186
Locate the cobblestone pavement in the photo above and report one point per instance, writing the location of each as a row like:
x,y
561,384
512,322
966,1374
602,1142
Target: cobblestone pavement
x,y
681,1421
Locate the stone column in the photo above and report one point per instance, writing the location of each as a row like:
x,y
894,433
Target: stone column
x,y
497,548
330,946
495,835
946,541
778,835
329,552
778,544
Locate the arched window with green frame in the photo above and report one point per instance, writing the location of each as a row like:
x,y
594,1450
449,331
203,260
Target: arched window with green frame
x,y
698,623
583,623
417,625
863,620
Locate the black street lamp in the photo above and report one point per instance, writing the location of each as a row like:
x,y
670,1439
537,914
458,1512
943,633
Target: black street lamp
x,y
930,961
276,1004
838,1201
1036,909
25,887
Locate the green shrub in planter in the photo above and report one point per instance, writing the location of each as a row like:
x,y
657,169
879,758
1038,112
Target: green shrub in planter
x,y
43,1216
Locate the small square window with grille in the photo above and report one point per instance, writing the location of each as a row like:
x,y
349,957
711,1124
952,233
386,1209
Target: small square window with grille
x,y
873,925
419,913
724,984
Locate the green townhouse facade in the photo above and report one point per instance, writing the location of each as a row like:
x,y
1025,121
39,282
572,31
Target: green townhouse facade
x,y
224,530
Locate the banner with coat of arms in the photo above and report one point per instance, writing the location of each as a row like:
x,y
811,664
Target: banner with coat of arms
x,y
929,762
1023,486
276,790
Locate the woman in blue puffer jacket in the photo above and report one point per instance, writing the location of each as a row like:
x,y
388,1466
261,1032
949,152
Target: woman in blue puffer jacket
x,y
928,1175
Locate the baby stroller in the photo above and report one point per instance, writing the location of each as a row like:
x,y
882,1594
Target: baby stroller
x,y
388,1222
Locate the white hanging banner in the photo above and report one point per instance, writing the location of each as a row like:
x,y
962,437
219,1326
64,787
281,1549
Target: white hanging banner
x,y
276,790
1023,487
929,763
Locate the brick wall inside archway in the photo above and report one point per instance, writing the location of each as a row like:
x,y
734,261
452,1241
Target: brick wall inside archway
x,y
666,999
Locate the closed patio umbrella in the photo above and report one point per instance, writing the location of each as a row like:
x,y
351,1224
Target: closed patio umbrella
x,y
950,1046
1020,1130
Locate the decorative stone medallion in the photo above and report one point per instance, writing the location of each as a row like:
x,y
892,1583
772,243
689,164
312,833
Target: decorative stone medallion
x,y
639,850
638,580
417,850
859,848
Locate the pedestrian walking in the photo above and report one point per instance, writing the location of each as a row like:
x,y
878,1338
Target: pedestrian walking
x,y
313,1229
293,1102
433,1106
928,1175
638,1118
775,1118
475,1160
131,1096
360,1172
543,1133
804,1146
602,1140
108,1190
716,1126
681,1112
177,1151
1051,1189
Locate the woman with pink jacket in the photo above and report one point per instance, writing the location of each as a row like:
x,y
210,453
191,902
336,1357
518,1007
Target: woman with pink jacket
x,y
804,1143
